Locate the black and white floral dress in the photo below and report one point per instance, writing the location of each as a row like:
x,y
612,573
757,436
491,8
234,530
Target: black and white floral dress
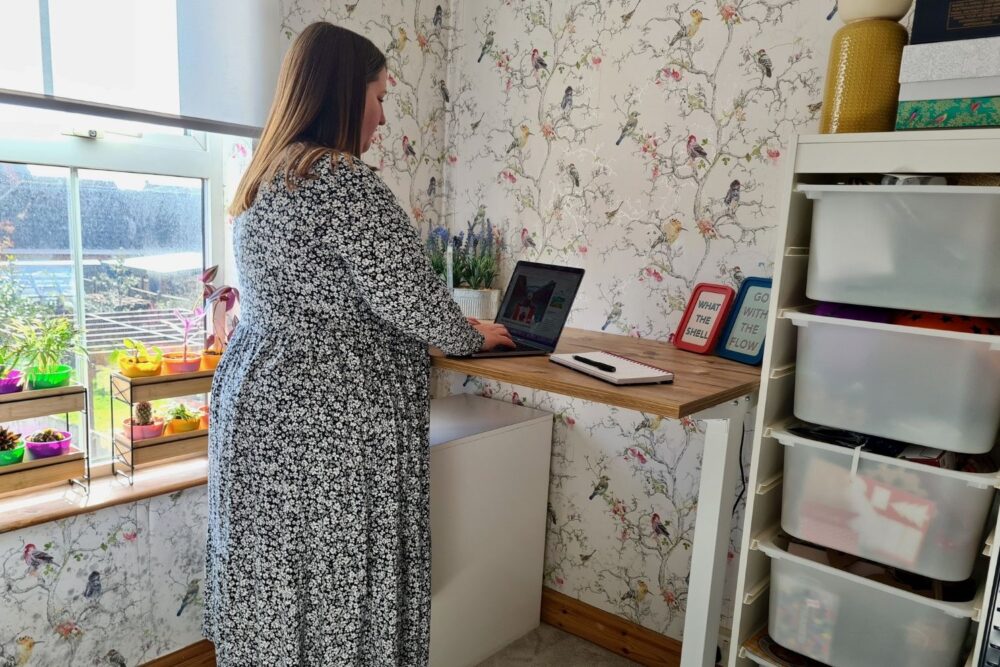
x,y
319,524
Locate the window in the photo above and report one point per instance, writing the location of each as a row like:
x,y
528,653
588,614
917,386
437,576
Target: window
x,y
111,232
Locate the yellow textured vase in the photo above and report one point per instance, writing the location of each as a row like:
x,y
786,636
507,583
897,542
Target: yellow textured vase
x,y
862,79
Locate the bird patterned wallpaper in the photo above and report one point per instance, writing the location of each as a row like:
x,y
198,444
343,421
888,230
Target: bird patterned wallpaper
x,y
642,141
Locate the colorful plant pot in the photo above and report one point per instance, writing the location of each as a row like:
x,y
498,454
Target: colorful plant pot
x,y
41,450
12,456
185,425
57,377
175,362
141,367
204,416
143,431
210,360
12,382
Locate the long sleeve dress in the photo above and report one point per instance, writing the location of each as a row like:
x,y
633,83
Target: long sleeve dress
x,y
319,524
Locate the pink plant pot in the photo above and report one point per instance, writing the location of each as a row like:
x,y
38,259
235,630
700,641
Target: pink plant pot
x,y
176,364
12,382
143,431
204,416
41,450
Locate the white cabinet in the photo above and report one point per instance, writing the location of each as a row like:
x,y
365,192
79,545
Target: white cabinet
x,y
489,489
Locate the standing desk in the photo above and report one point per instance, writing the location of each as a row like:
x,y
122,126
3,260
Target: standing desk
x,y
712,389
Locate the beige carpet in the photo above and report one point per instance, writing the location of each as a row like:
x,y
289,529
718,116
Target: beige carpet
x,y
547,646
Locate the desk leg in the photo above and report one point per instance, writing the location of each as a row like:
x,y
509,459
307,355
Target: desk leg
x,y
716,493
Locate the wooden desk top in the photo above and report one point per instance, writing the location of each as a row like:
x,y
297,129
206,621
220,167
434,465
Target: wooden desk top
x,y
700,381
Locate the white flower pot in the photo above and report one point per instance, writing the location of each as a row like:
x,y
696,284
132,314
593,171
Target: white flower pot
x,y
481,304
857,10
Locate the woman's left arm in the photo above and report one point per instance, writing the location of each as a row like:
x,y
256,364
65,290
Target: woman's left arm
x,y
387,261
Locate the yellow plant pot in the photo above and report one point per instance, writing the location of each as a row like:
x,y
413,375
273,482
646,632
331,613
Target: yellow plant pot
x,y
210,361
185,425
140,367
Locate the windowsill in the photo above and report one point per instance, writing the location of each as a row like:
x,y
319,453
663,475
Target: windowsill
x,y
37,507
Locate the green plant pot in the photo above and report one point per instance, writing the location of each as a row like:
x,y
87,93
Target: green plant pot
x,y
12,456
55,378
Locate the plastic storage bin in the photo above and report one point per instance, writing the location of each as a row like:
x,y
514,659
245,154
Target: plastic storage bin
x,y
925,386
847,621
929,248
908,515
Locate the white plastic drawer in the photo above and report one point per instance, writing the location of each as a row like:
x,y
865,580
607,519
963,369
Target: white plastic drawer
x,y
925,386
907,515
847,621
930,248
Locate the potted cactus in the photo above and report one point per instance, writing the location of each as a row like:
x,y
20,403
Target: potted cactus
x,y
42,345
183,419
11,447
48,442
220,301
185,361
136,360
145,425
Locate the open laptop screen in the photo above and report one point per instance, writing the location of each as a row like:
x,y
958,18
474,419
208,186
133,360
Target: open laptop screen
x,y
537,302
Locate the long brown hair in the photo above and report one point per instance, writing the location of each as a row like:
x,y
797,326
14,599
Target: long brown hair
x,y
318,107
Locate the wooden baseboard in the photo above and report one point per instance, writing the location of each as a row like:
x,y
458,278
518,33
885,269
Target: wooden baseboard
x,y
201,654
612,632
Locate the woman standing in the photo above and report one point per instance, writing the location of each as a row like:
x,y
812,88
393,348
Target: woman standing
x,y
318,540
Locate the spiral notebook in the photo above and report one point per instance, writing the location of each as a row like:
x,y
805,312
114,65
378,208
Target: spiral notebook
x,y
626,371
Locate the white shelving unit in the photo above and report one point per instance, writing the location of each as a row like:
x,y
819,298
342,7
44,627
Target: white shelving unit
x,y
824,159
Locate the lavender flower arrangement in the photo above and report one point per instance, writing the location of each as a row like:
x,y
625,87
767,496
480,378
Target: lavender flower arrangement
x,y
476,255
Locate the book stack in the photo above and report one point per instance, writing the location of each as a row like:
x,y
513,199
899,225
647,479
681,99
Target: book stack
x,y
950,74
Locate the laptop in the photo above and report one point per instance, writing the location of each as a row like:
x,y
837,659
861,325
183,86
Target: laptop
x,y
535,308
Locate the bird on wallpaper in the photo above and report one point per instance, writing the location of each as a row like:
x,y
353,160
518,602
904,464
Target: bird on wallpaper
x,y
611,214
93,588
25,647
616,312
475,124
526,240
732,198
432,187
350,8
567,100
444,91
35,558
438,19
694,149
628,15
833,12
480,216
692,28
551,513
408,150
600,488
115,658
585,557
764,63
630,124
658,527
574,175
401,39
189,595
516,399
487,45
537,62
738,275
815,107
641,591
669,232
521,140
652,422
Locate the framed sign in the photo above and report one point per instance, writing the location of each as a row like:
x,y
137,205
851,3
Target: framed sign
x,y
704,317
743,337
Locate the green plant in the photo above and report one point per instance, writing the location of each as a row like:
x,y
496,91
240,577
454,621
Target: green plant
x,y
181,411
188,321
46,435
475,256
9,356
8,439
143,413
44,343
136,350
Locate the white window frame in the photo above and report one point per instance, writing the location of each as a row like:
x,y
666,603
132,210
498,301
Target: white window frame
x,y
195,155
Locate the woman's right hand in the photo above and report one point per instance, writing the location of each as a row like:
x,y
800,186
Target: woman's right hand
x,y
494,335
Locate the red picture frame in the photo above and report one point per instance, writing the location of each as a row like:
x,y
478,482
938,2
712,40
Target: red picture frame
x,y
704,318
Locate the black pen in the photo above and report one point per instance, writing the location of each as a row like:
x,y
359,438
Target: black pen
x,y
595,364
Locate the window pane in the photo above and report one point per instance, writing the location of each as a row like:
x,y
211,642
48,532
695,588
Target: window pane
x,y
117,52
143,239
29,123
21,47
36,274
